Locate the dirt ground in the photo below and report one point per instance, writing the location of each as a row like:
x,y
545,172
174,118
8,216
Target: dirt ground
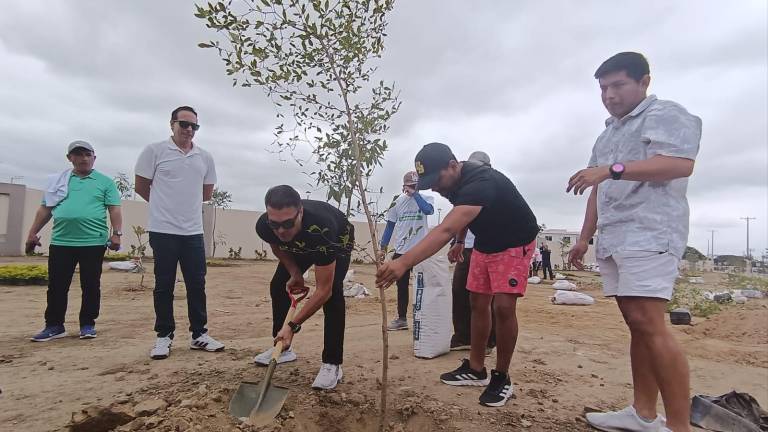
x,y
569,358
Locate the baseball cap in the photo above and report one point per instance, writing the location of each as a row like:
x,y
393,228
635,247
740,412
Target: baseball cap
x,y
410,178
79,144
481,157
432,158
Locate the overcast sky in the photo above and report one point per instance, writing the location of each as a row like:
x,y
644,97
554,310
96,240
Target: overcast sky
x,y
511,78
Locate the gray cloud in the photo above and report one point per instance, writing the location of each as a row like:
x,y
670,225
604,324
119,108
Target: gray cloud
x,y
511,78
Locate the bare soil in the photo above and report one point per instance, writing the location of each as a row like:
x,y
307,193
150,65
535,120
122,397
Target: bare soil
x,y
569,359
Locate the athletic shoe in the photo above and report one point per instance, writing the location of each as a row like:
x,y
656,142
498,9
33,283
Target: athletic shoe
x,y
498,391
465,376
264,358
162,348
206,343
625,420
459,346
398,324
88,332
49,333
328,377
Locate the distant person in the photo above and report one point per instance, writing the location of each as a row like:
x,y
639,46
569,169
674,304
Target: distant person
x,y
461,254
505,234
407,220
535,263
78,200
638,174
175,176
546,262
302,234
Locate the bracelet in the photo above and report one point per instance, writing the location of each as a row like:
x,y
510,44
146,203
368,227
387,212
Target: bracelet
x,y
460,242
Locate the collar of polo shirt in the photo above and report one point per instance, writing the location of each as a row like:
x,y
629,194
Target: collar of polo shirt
x,y
635,112
172,145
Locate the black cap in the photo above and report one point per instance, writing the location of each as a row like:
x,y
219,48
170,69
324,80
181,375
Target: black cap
x,y
432,158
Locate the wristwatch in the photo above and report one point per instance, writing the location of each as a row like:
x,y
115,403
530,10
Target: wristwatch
x,y
295,328
617,170
117,233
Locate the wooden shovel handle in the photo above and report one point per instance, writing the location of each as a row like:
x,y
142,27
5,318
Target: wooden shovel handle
x,y
288,318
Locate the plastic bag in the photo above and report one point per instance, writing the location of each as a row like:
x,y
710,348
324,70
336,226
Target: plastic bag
x,y
123,265
356,290
534,280
559,276
572,298
564,285
432,326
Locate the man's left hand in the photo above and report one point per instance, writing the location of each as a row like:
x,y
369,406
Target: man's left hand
x,y
114,242
389,272
286,335
587,178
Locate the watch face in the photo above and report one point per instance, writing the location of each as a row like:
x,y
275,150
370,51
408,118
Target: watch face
x,y
617,167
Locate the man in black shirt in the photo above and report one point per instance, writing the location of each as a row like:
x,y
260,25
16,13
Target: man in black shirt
x,y
546,261
505,234
303,233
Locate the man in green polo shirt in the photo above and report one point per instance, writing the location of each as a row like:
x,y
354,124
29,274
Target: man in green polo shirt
x,y
77,200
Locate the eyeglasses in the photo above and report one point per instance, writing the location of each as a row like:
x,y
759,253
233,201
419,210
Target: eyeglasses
x,y
286,224
186,125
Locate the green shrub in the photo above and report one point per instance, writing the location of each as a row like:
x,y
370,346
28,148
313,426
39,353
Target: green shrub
x,y
117,257
692,297
23,274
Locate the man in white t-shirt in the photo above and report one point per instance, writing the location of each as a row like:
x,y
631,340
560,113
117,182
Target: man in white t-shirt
x,y
407,220
179,176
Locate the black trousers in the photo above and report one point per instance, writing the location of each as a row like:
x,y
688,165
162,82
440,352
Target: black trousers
x,y
547,266
61,267
403,294
334,309
189,251
462,309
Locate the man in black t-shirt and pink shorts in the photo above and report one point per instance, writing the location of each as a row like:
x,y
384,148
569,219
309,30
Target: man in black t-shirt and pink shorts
x,y
505,231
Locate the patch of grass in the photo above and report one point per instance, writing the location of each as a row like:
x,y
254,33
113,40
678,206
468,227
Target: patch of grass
x,y
117,257
692,298
24,274
741,281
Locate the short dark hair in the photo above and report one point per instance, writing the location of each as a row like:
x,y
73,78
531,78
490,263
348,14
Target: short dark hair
x,y
175,113
634,64
282,196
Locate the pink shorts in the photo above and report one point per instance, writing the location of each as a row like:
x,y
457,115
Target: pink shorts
x,y
504,272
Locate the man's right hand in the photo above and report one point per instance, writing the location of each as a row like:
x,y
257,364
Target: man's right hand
x,y
456,253
576,255
33,241
295,284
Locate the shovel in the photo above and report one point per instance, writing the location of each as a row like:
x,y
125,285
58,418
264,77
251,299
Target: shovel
x,y
261,402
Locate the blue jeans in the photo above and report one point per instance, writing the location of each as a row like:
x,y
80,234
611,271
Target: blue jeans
x,y
189,251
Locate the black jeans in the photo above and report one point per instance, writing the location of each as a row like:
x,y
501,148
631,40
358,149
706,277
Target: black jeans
x,y
403,295
189,251
462,309
61,266
547,266
334,309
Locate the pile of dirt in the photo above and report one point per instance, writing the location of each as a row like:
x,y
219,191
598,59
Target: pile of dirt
x,y
744,324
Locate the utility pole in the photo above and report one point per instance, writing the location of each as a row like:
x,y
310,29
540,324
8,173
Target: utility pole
x,y
712,244
748,255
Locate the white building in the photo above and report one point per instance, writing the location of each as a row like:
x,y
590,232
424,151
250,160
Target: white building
x,y
560,242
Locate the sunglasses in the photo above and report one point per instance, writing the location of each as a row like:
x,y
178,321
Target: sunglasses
x,y
286,224
186,125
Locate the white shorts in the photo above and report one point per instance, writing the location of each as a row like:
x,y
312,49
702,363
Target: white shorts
x,y
639,274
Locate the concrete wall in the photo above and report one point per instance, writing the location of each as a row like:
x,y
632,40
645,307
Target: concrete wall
x,y
18,205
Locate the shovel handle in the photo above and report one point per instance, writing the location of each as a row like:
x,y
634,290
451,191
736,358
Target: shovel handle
x,y
291,312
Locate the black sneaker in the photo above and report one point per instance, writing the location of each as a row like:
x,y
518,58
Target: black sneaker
x,y
465,376
498,391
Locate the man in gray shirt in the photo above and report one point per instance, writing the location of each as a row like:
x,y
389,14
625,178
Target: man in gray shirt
x,y
641,163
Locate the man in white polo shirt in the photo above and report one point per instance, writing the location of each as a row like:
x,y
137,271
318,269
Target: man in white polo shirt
x,y
175,176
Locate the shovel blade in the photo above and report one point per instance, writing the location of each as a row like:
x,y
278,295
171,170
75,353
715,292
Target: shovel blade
x,y
244,403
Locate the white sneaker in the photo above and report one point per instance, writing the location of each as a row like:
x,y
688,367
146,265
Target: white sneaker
x,y
264,358
328,377
625,420
162,348
207,343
